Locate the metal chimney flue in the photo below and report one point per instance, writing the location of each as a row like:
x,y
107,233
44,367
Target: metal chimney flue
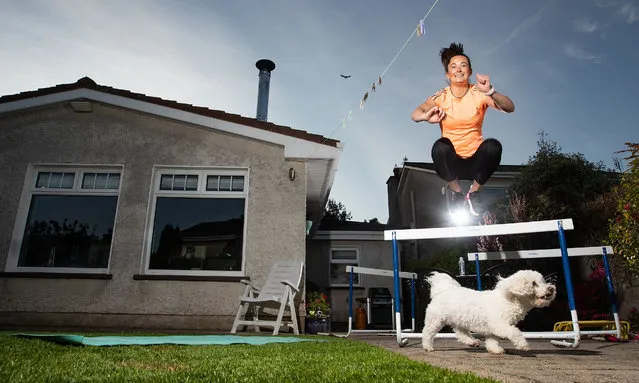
x,y
266,67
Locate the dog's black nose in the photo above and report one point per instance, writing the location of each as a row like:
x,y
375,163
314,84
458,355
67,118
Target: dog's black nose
x,y
551,289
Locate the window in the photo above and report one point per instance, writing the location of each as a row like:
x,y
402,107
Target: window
x,y
492,195
340,258
196,225
65,220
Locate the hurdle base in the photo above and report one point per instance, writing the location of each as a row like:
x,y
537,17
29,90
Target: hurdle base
x,y
527,335
563,344
557,338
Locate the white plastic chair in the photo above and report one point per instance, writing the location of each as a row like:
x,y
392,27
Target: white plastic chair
x,y
280,288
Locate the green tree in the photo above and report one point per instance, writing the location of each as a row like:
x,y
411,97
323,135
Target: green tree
x,y
624,226
335,212
557,185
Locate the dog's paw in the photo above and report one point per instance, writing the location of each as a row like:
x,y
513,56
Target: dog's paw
x,y
495,350
474,343
524,347
428,347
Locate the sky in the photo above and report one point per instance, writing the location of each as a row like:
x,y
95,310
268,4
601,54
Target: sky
x,y
570,66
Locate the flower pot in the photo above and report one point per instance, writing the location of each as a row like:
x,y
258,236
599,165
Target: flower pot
x,y
316,325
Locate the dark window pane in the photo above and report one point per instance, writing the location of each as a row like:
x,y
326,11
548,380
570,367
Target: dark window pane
x,y
43,179
339,276
68,231
88,181
101,180
344,254
225,183
179,182
212,183
56,180
191,182
166,183
198,234
238,183
67,180
114,181
490,196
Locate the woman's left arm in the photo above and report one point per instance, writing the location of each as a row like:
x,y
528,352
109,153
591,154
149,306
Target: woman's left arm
x,y
493,99
501,102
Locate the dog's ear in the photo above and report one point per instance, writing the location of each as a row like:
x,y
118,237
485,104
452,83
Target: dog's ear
x,y
517,285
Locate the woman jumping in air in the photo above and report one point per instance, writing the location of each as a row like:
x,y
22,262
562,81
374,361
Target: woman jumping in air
x,y
462,153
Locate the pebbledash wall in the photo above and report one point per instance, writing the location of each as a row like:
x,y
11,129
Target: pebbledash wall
x,y
124,297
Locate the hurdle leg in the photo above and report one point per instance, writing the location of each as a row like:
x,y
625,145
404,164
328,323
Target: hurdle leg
x,y
477,272
350,303
611,292
569,289
398,320
412,306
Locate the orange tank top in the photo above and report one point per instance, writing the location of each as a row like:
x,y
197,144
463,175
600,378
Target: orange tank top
x,y
464,118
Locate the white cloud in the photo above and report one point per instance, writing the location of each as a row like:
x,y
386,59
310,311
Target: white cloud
x,y
582,54
136,46
630,12
586,25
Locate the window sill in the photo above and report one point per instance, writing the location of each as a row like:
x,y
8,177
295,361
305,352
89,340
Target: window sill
x,y
22,274
193,278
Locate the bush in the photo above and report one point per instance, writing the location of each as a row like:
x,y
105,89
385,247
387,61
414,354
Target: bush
x,y
624,227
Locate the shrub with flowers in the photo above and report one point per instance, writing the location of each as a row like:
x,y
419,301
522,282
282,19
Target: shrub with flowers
x,y
624,228
317,305
592,299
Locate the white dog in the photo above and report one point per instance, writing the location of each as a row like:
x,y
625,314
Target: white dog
x,y
493,313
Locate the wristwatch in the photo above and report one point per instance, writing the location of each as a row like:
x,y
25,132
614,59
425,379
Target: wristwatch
x,y
490,92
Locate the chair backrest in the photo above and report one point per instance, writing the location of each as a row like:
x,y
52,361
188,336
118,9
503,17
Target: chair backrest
x,y
281,271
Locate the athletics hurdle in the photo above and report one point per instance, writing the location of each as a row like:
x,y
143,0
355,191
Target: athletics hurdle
x,y
491,230
604,251
385,273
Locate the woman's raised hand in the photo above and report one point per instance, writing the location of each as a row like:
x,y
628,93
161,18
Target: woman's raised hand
x,y
434,115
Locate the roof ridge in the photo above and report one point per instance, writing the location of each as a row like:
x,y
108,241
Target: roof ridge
x,y
88,83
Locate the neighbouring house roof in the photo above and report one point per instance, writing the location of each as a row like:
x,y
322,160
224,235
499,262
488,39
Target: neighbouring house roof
x,y
351,230
400,173
500,168
321,154
352,226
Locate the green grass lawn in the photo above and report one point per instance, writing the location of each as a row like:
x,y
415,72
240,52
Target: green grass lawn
x,y
334,360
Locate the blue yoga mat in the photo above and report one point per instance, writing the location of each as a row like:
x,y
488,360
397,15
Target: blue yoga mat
x,y
169,339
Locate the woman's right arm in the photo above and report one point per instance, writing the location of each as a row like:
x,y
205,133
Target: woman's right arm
x,y
428,111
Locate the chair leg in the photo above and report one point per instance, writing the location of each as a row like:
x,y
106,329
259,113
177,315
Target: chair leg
x,y
256,312
291,306
280,314
237,317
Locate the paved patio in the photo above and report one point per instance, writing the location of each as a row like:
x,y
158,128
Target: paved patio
x,y
593,361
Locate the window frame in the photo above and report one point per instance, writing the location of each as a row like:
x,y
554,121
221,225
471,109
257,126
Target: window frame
x,y
201,192
29,189
344,262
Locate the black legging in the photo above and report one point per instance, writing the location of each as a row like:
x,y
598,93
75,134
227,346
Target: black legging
x,y
478,167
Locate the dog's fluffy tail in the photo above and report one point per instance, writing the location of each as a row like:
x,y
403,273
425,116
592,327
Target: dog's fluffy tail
x,y
440,282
